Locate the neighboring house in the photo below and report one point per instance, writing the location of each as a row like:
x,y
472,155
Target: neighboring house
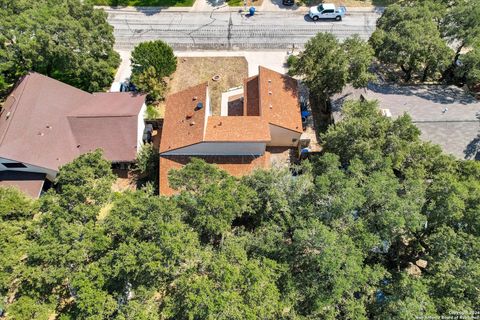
x,y
45,124
445,115
264,113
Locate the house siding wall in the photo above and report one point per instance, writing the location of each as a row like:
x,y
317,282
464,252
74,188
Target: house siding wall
x,y
51,174
282,137
221,148
141,126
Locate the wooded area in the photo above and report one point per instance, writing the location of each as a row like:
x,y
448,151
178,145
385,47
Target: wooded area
x,y
382,226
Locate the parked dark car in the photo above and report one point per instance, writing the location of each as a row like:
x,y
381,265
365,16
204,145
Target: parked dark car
x,y
288,2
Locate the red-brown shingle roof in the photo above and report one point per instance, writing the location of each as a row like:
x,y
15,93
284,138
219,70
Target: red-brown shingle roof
x,y
251,102
279,99
237,129
184,123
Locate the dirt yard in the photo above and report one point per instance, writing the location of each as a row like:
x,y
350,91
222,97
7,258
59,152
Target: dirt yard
x,y
195,70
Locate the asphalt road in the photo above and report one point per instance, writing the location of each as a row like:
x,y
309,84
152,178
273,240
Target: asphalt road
x,y
230,30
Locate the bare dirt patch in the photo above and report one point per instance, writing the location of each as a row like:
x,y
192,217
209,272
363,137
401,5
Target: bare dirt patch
x,y
125,180
195,70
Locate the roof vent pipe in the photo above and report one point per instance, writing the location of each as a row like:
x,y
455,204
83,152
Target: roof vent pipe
x,y
199,106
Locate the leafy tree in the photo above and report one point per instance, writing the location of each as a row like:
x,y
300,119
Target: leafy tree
x,y
327,66
16,212
226,285
405,298
467,68
280,198
360,55
147,163
67,40
85,181
148,82
461,28
27,308
454,270
332,278
153,57
408,38
211,199
375,137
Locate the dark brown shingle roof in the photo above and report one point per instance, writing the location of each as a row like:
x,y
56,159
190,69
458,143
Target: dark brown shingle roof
x,y
30,183
39,124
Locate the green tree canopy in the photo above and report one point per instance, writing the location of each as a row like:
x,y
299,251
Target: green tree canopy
x,y
211,199
153,54
326,65
380,226
67,40
408,38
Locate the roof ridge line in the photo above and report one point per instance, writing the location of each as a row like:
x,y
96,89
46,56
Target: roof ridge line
x,y
25,78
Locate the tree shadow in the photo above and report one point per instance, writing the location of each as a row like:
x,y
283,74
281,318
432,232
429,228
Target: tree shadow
x,y
472,150
216,3
149,11
279,4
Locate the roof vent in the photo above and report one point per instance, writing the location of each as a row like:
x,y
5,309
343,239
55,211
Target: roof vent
x,y
194,98
189,115
199,106
192,123
269,81
49,126
7,116
270,92
40,133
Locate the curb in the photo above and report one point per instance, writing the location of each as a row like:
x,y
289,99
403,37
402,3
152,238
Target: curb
x,y
119,9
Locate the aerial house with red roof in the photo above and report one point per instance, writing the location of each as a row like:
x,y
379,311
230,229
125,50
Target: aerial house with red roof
x,y
45,124
266,114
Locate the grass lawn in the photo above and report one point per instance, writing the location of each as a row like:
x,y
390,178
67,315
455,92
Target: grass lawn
x,y
239,3
144,3
193,71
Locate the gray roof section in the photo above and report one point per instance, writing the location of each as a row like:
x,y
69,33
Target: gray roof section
x,y
446,115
